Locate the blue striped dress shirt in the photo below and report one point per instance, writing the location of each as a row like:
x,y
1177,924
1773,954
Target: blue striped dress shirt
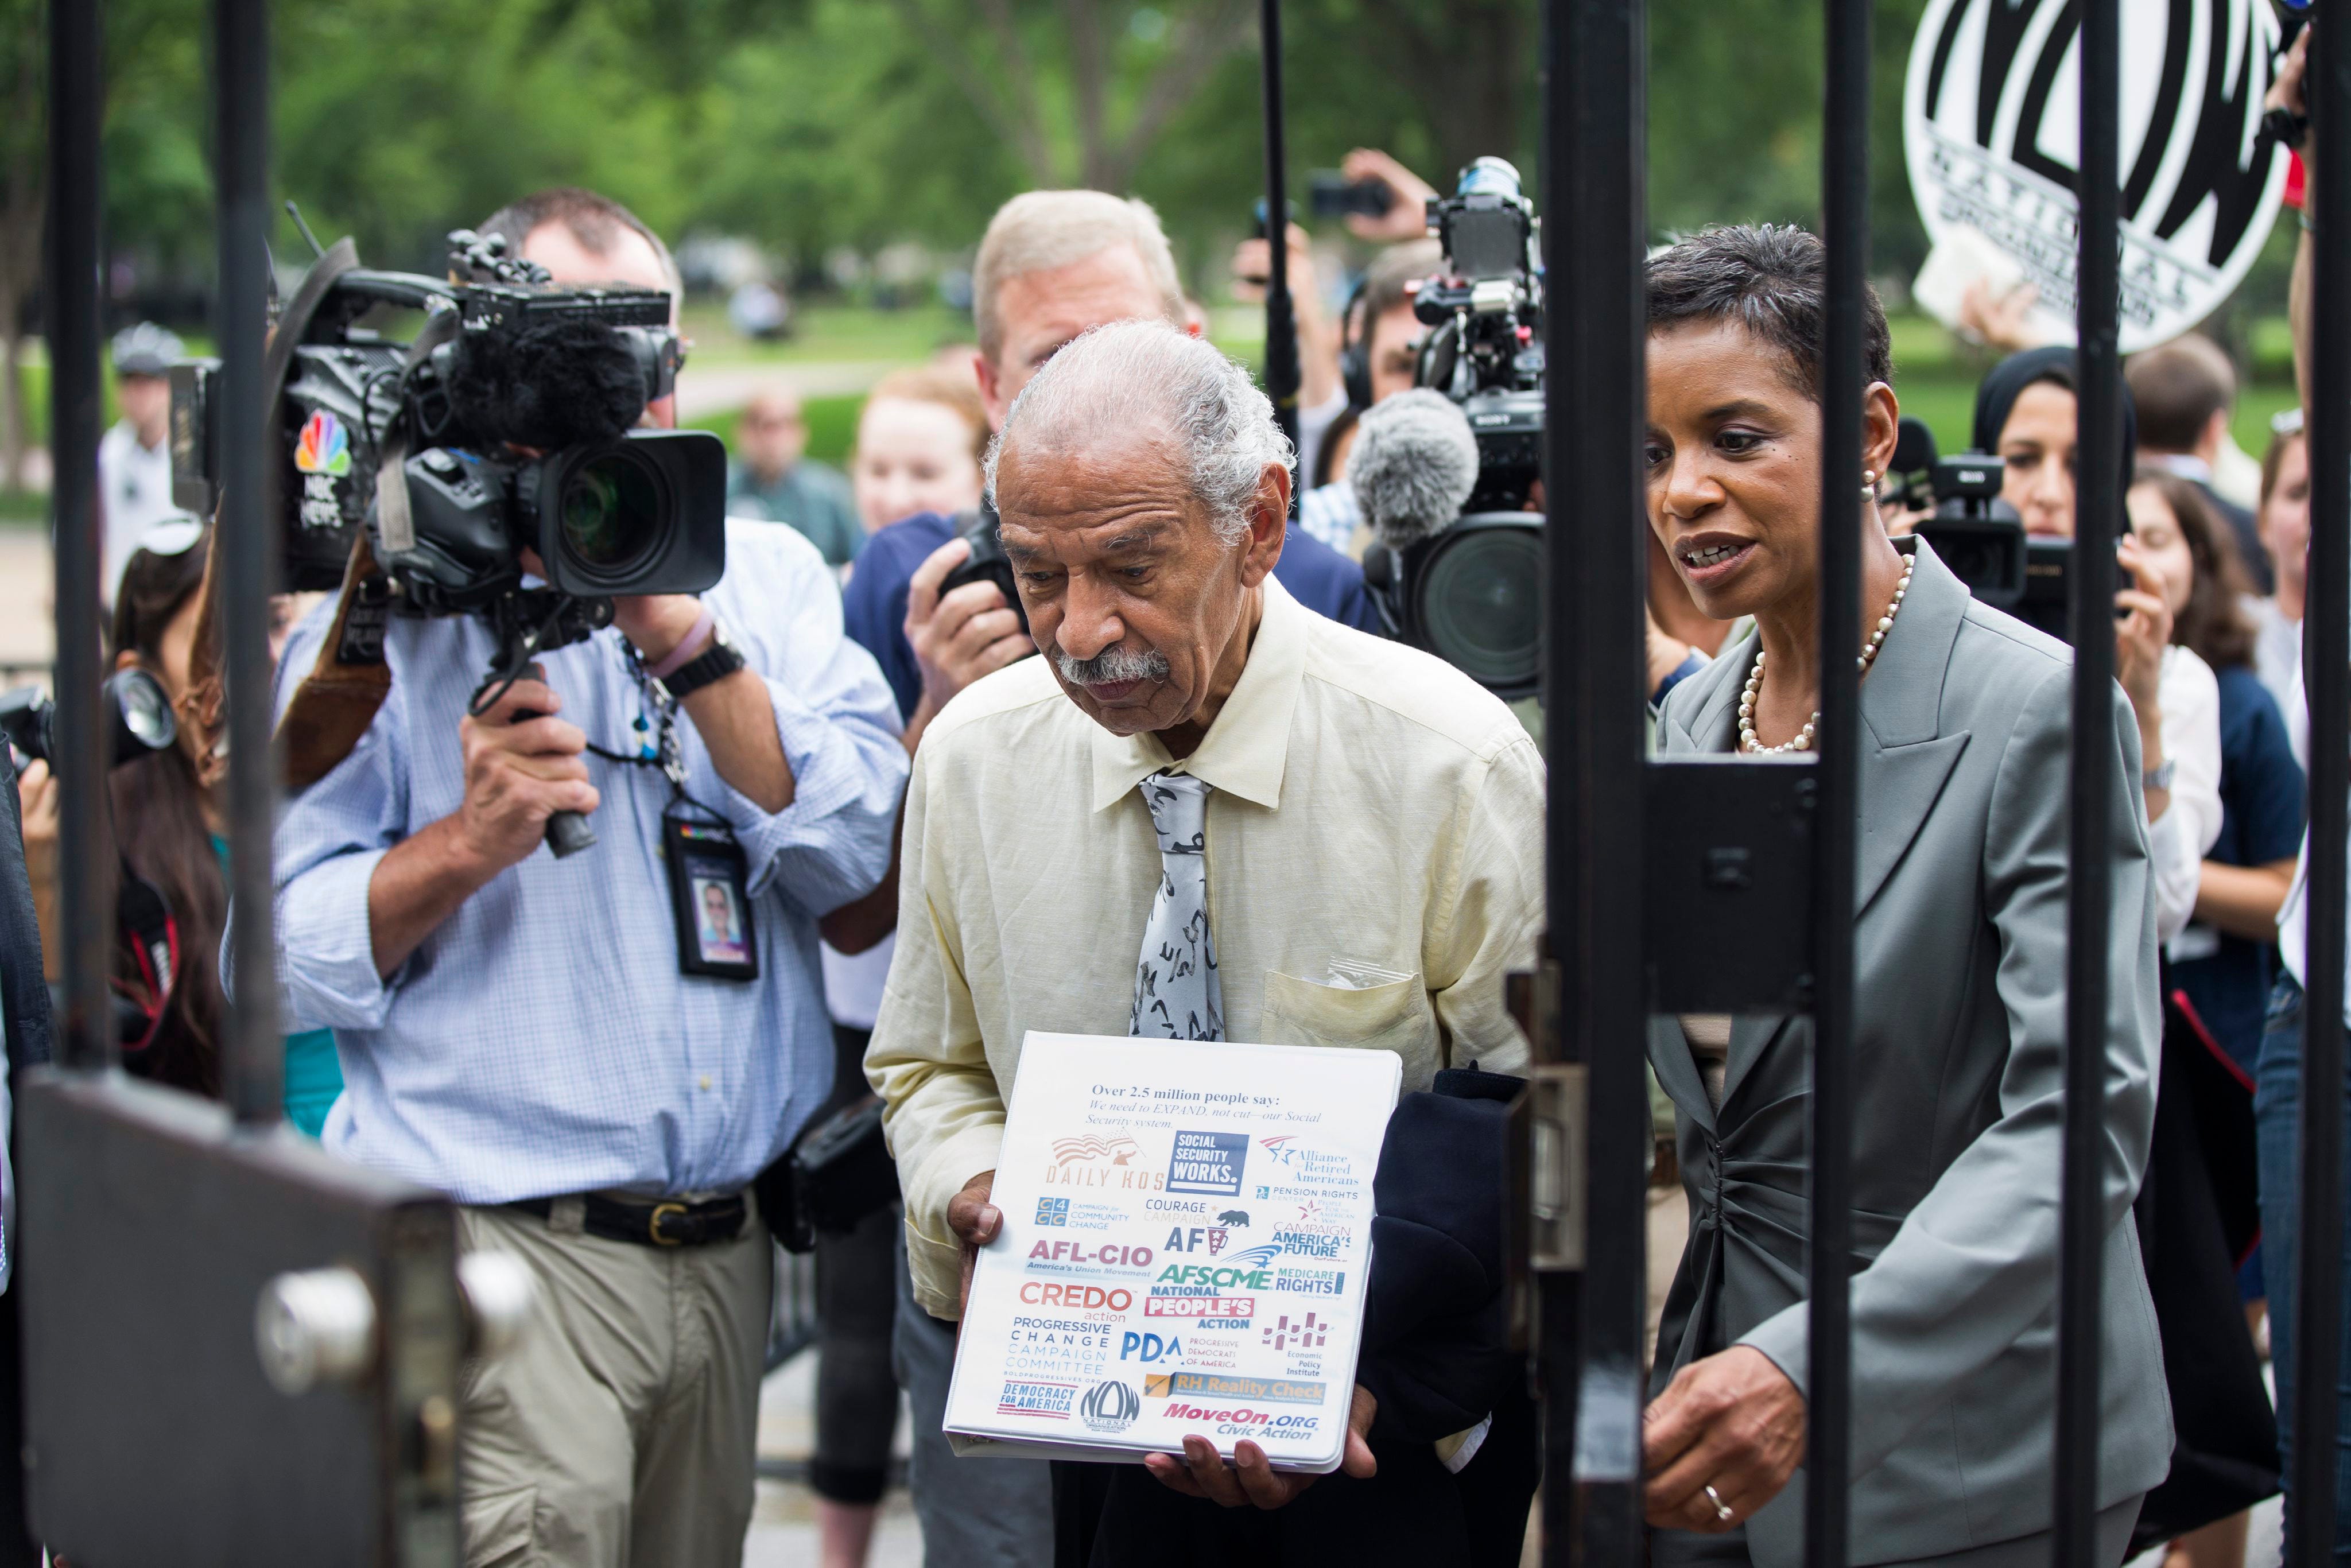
x,y
542,1040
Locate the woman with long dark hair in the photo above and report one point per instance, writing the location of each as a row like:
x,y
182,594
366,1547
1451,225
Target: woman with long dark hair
x,y
1959,995
169,819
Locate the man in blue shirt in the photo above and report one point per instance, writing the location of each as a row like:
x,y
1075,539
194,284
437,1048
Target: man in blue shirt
x,y
519,1031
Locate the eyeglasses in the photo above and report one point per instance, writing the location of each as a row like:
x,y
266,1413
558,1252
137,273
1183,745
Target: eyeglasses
x,y
174,535
2286,421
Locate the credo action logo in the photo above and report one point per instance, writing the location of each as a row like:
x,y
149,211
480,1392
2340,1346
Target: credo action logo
x,y
1990,127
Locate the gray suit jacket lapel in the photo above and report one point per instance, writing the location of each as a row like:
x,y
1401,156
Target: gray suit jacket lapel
x,y
1905,763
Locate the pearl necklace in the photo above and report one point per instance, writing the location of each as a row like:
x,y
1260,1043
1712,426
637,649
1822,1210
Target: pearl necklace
x,y
1803,740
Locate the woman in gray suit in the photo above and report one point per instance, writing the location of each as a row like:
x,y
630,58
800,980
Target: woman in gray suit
x,y
1960,938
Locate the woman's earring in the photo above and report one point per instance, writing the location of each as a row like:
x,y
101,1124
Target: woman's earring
x,y
1869,481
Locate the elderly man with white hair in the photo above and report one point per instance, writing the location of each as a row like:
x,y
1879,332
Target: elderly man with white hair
x,y
1355,804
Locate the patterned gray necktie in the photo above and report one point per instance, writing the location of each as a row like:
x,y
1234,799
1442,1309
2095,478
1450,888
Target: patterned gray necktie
x,y
1176,993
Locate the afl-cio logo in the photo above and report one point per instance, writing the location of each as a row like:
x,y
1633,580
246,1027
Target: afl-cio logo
x,y
1111,1407
1991,128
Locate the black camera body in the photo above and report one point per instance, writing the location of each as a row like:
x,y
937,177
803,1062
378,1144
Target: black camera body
x,y
1470,591
1982,540
987,562
505,426
139,719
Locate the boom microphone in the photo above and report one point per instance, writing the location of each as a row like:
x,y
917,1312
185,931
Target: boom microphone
x,y
1414,464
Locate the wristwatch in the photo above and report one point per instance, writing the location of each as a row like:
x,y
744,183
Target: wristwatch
x,y
2153,778
718,660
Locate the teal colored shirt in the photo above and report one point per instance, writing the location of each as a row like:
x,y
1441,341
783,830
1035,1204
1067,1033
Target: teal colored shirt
x,y
812,497
314,1075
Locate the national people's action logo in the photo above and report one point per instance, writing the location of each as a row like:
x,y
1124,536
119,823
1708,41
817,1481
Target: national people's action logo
x,y
1991,132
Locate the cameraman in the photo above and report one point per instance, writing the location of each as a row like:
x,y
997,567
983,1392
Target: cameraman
x,y
516,1031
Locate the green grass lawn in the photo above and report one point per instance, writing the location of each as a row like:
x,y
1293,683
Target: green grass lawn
x,y
827,332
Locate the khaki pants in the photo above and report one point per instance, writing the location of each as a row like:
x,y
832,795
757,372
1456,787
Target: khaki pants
x,y
619,1431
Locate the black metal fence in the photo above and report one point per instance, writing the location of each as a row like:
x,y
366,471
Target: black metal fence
x,y
1604,979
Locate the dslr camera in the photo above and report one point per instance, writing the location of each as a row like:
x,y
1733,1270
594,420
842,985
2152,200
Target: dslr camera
x,y
505,424
1981,537
1469,587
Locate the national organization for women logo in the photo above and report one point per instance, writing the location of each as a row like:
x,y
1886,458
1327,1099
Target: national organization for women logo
x,y
1991,132
1111,1407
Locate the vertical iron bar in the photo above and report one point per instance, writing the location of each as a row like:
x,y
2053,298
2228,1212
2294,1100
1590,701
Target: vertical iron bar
x,y
1281,368
86,904
1844,214
2318,1297
2098,483
244,545
1594,170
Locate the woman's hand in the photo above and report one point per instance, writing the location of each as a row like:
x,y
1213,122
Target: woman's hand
x,y
2142,631
1666,655
1999,322
36,794
2287,92
1733,1422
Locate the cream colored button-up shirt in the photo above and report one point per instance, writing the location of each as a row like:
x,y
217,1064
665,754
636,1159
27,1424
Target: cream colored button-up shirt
x,y
1372,808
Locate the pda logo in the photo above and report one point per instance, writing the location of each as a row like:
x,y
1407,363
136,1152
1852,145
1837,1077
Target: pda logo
x,y
1111,1407
1148,1347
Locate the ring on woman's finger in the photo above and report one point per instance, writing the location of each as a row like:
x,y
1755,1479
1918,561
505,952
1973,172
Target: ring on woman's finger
x,y
1721,1509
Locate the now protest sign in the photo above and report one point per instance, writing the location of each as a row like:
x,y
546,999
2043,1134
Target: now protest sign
x,y
1990,129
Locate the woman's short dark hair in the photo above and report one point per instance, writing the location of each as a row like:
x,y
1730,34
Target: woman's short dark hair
x,y
2210,623
1772,280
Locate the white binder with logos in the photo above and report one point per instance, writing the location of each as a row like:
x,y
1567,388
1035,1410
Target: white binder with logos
x,y
1187,1229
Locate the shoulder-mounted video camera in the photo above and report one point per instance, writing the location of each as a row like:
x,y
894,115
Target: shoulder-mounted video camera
x,y
506,425
1468,586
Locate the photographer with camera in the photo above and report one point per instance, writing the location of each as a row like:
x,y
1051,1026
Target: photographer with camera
x,y
551,1039
167,816
2024,414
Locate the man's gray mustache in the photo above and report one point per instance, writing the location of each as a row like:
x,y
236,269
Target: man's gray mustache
x,y
1112,665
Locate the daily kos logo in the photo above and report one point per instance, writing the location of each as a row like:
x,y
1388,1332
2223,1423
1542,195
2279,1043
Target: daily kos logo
x,y
1990,129
1091,1161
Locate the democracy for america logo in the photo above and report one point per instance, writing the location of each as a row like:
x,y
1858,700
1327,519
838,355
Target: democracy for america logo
x,y
1992,122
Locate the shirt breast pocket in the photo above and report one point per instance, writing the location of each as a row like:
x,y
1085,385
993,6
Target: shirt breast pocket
x,y
1392,1017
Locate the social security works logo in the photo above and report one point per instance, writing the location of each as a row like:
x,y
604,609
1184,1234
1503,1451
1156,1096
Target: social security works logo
x,y
325,447
1208,1162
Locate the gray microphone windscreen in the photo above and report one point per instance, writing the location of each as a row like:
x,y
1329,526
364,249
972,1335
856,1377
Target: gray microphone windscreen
x,y
1413,467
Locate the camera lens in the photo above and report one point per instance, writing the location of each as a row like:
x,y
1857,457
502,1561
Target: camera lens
x,y
611,514
146,713
1482,605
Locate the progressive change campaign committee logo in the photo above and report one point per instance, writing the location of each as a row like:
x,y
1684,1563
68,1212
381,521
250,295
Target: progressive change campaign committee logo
x,y
1990,127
